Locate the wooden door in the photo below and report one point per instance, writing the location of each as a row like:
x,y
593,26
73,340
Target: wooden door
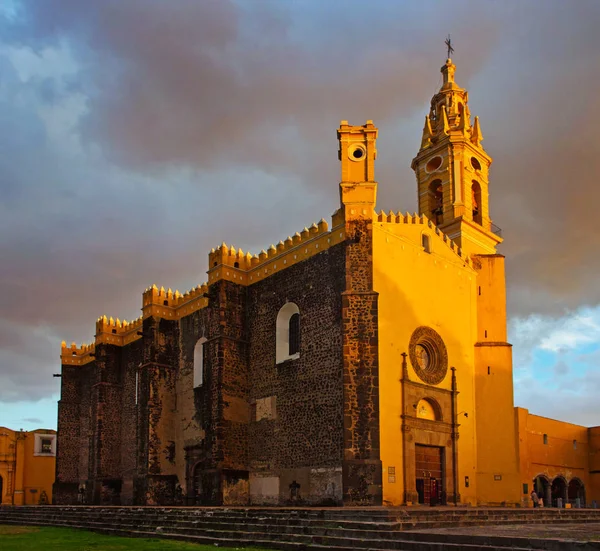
x,y
428,462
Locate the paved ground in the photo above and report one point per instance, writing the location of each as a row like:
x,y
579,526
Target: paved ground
x,y
581,532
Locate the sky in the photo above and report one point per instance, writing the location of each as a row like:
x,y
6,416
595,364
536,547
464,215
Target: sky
x,y
137,135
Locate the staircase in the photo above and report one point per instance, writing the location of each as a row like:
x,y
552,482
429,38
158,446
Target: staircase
x,y
341,529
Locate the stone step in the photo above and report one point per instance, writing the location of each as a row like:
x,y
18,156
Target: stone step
x,y
441,520
300,543
319,514
194,527
337,539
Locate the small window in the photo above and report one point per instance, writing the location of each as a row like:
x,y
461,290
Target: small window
x,y
545,439
574,444
425,243
294,334
44,445
199,363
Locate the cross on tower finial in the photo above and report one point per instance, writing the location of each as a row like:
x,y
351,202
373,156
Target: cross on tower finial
x,y
448,43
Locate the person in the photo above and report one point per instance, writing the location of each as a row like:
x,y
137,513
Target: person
x,y
535,499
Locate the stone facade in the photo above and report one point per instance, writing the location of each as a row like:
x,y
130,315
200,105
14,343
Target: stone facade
x,y
253,432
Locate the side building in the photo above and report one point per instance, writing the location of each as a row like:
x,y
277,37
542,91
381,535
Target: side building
x,y
27,466
559,461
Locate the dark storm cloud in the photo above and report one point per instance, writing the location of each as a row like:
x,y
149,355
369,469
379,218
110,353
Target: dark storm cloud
x,y
208,83
185,123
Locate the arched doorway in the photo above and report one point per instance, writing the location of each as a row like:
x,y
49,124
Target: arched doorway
x,y
575,491
541,485
559,491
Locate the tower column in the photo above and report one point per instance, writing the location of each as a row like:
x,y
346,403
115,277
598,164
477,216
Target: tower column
x,y
361,467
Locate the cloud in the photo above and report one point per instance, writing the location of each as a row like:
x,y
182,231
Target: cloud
x,y
556,362
33,420
137,135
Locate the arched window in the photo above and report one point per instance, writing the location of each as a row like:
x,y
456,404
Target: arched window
x,y
288,333
476,199
436,201
428,409
199,363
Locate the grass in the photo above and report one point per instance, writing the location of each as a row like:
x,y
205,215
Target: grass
x,y
45,538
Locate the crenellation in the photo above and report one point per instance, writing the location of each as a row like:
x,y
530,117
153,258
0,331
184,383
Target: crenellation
x,y
408,218
247,268
73,355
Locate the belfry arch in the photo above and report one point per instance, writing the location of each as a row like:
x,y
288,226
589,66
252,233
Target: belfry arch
x,y
476,202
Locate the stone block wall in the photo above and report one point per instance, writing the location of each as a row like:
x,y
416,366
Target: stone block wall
x,y
296,427
362,478
72,454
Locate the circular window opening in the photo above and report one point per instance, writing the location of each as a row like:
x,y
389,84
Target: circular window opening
x,y
357,152
433,164
475,163
428,355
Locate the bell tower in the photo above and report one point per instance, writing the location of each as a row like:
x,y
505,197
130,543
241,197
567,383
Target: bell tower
x,y
452,170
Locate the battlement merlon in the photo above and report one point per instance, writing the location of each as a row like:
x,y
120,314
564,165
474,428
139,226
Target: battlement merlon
x,y
74,355
173,305
227,262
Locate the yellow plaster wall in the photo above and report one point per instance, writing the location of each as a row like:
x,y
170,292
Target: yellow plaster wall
x,y
39,470
594,464
21,470
417,288
558,456
497,454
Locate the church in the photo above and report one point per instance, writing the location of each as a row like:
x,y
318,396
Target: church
x,y
358,362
